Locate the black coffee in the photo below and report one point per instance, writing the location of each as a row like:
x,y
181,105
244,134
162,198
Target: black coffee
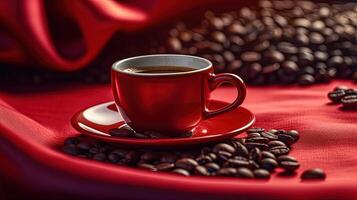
x,y
159,69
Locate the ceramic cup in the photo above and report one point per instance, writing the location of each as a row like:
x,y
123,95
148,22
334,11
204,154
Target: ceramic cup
x,y
169,103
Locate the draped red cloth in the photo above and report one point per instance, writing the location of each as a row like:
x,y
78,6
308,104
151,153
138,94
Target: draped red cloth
x,y
33,126
67,35
35,121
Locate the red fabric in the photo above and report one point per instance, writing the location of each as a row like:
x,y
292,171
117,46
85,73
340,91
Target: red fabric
x,y
34,124
67,35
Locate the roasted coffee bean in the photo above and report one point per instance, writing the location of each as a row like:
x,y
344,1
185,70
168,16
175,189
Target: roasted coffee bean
x,y
257,140
186,163
227,171
201,170
100,157
287,139
112,157
212,167
182,172
124,131
150,156
267,154
269,164
251,135
275,143
313,174
286,158
253,164
236,163
224,155
165,166
140,135
279,150
255,154
336,96
250,56
289,166
170,158
255,130
274,56
261,174
212,156
71,149
260,146
295,134
84,146
241,150
147,166
244,172
120,152
223,147
72,140
269,136
202,159
94,150
349,101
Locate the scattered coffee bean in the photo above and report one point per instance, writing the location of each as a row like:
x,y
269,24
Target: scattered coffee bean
x,y
289,166
313,174
344,95
261,174
246,157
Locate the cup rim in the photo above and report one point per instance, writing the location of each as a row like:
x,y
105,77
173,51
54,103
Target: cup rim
x,y
115,64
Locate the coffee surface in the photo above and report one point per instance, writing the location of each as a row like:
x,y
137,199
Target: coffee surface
x,y
159,69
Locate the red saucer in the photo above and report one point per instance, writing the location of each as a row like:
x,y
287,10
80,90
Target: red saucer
x,y
96,121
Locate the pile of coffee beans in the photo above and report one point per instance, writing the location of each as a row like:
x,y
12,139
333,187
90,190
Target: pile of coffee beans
x,y
344,95
272,42
278,42
257,155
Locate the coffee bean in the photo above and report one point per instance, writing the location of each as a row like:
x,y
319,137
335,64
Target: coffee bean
x,y
274,56
286,158
336,96
250,56
113,157
267,154
201,170
261,174
287,139
147,166
72,140
255,130
140,135
261,146
244,172
150,156
275,143
212,167
124,131
279,150
165,166
306,79
203,159
227,171
84,146
257,140
70,149
174,44
269,136
255,155
349,101
186,163
170,158
224,155
289,166
236,163
182,172
223,147
241,150
120,152
269,164
251,135
313,174
295,134
100,157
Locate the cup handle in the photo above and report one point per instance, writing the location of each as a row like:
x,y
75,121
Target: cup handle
x,y
217,80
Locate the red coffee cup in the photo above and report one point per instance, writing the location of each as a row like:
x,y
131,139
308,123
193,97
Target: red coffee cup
x,y
169,103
